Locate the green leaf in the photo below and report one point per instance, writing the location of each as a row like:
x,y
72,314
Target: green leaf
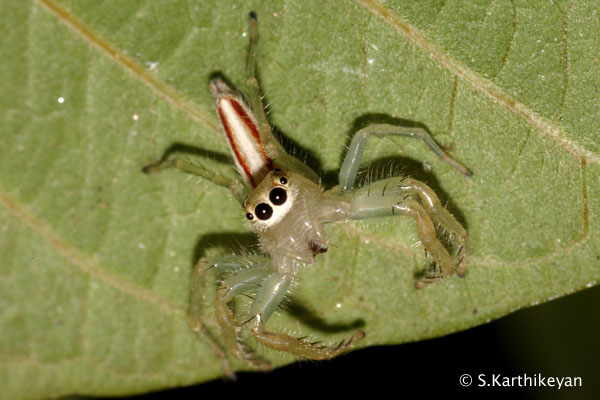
x,y
96,256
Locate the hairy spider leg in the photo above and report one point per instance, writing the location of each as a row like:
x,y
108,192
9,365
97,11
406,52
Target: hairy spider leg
x,y
395,196
300,347
441,216
248,272
267,299
238,265
351,164
237,189
271,145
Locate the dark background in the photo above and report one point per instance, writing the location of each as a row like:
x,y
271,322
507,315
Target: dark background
x,y
559,338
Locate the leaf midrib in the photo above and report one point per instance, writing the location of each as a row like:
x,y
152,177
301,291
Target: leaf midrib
x,y
158,86
412,34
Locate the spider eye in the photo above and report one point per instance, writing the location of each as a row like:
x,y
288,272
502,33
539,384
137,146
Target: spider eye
x,y
249,216
278,196
283,180
263,211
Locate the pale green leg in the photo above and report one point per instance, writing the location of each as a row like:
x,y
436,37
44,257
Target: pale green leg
x,y
353,158
236,187
395,196
440,215
244,281
272,147
269,296
248,273
267,299
197,282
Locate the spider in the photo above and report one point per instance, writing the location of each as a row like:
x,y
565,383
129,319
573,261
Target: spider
x,y
288,209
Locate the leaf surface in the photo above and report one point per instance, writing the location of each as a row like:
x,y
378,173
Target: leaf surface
x,y
96,256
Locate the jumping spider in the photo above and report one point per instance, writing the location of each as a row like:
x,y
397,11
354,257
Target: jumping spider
x,y
288,210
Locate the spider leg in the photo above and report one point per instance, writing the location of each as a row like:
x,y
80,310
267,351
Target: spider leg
x,y
396,196
248,272
440,215
272,146
353,158
267,299
236,187
236,265
300,347
270,294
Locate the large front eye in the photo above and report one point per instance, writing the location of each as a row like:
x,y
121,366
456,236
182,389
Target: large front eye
x,y
278,196
263,211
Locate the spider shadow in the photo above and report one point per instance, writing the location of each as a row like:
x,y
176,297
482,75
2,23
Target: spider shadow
x,y
247,243
308,317
188,149
226,243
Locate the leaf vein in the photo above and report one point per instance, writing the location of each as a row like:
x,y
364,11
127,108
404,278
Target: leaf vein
x,y
565,63
83,262
513,32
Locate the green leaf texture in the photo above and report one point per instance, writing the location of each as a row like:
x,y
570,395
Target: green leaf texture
x,y
95,255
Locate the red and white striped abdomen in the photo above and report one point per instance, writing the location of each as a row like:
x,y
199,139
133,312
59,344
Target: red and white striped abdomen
x,y
242,134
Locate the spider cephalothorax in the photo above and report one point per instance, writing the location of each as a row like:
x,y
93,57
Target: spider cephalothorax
x,y
285,210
